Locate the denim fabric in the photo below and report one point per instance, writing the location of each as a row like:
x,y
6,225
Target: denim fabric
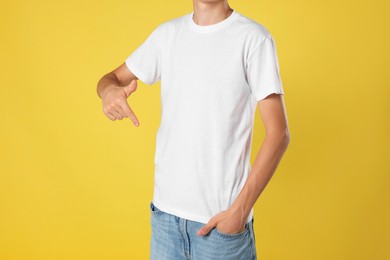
x,y
175,238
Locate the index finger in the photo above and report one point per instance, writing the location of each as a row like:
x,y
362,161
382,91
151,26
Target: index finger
x,y
129,112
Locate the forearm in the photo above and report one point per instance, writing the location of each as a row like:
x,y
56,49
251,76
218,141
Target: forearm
x,y
263,168
105,82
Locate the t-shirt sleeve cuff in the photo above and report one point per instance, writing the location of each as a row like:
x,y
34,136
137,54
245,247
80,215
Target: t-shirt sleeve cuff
x,y
263,95
134,69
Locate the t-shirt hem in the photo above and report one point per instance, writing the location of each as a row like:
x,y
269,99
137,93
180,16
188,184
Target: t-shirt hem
x,y
192,217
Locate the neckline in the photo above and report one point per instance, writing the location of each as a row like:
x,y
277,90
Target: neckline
x,y
212,27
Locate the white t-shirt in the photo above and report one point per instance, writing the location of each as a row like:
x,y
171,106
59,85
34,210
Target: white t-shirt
x,y
211,79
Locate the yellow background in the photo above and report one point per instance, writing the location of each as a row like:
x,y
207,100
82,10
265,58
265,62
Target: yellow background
x,y
76,185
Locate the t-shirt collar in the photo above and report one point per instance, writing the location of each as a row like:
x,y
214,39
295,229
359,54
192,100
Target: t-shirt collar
x,y
212,27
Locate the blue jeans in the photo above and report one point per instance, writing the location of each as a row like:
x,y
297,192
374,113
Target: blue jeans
x,y
175,238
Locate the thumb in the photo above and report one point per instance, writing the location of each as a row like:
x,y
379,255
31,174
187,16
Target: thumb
x,y
206,228
131,87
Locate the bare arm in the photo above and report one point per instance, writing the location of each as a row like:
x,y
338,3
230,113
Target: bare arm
x,y
277,138
273,114
119,77
114,88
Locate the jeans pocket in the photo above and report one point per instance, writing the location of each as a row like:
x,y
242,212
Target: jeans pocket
x,y
236,235
154,210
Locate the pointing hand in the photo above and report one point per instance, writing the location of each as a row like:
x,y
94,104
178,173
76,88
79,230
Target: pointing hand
x,y
115,104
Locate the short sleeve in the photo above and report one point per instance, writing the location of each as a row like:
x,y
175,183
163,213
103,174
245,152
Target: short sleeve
x,y
145,61
262,70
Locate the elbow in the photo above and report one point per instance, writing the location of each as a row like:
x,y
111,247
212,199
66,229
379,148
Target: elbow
x,y
282,137
286,138
286,135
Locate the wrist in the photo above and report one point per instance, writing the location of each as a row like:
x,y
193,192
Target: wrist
x,y
104,90
242,205
239,210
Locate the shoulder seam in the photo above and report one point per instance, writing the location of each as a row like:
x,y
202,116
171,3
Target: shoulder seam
x,y
254,51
